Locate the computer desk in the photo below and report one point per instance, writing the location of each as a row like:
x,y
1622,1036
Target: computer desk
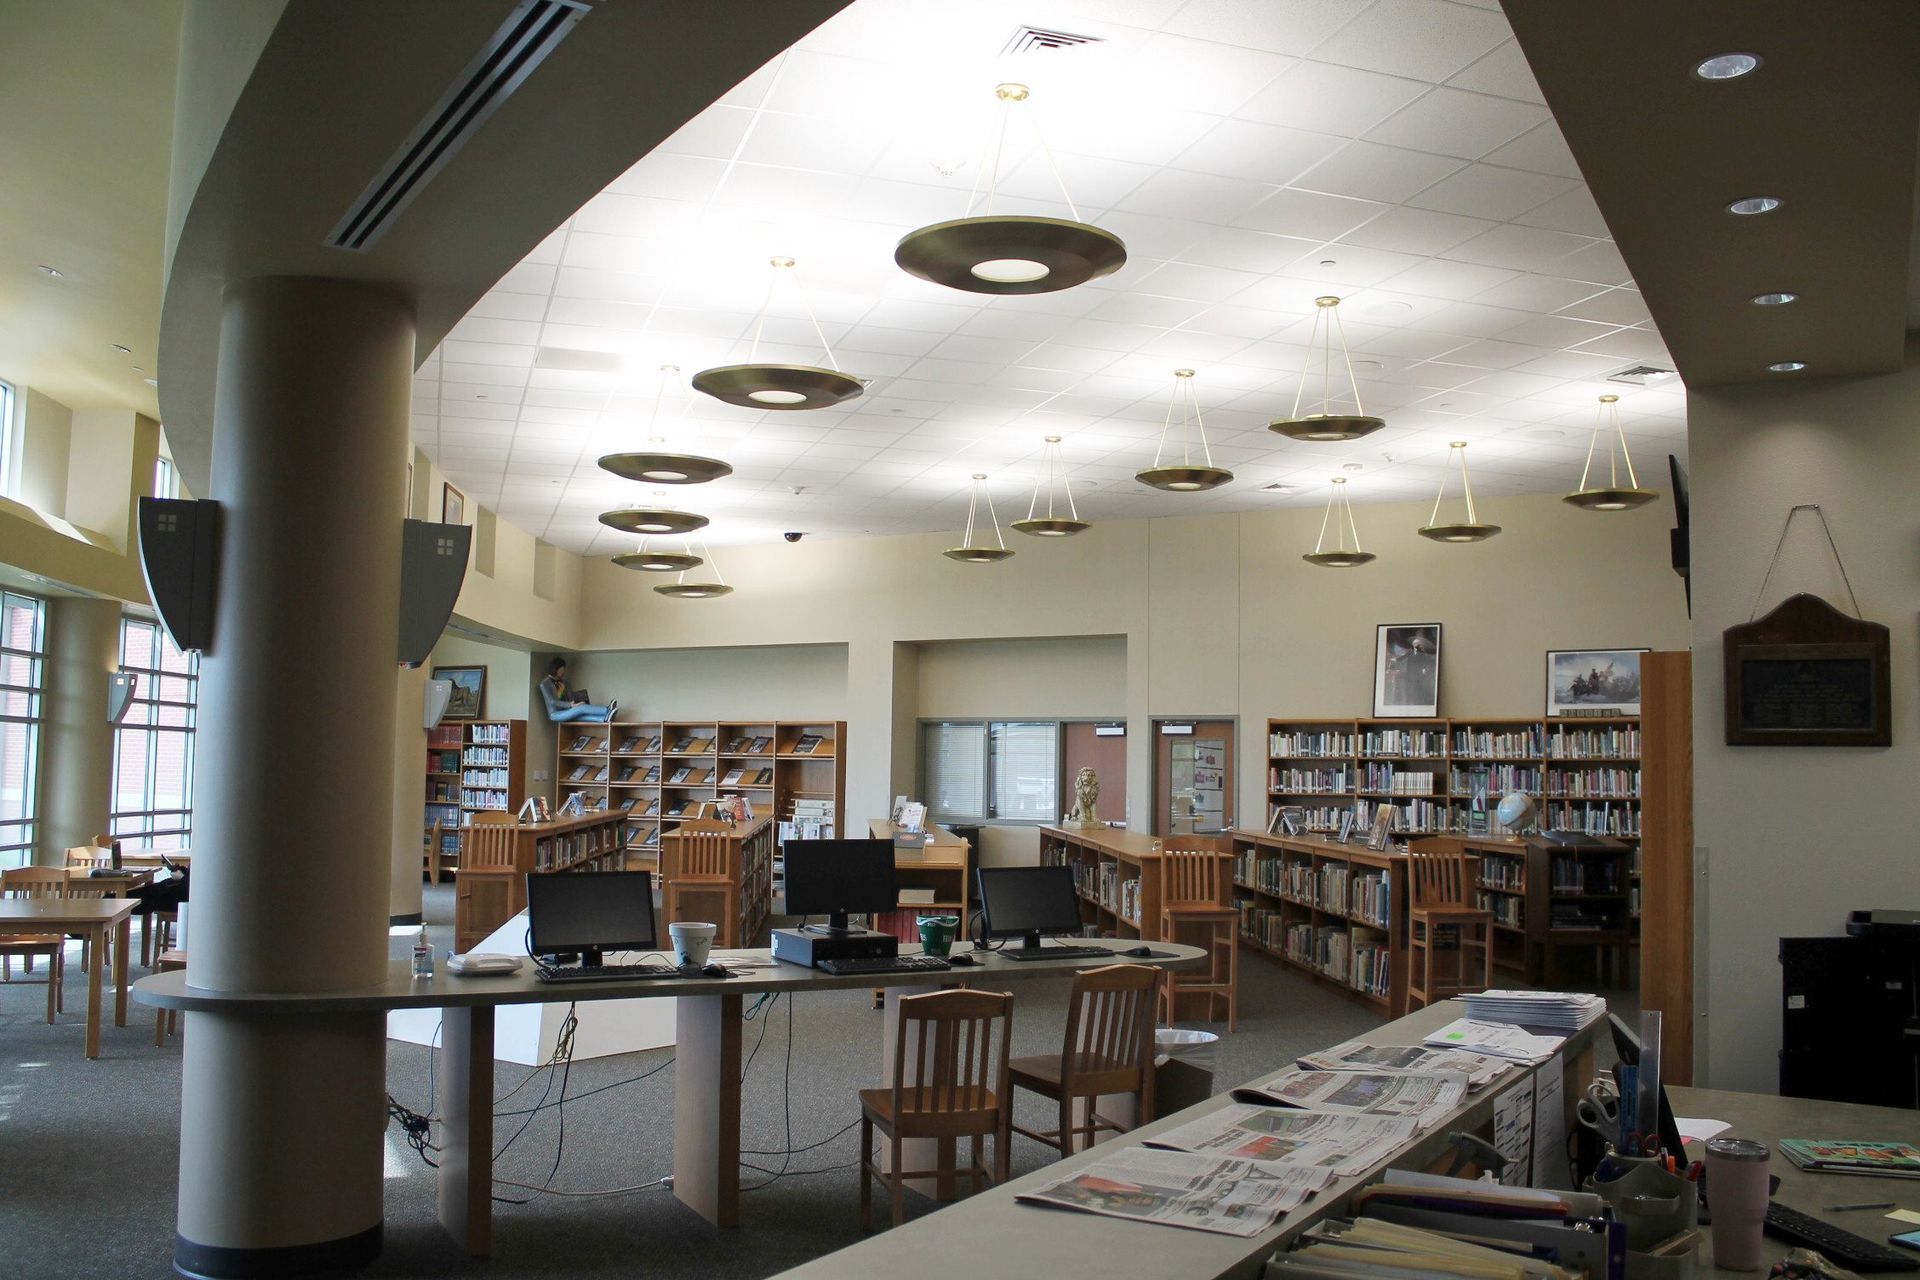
x,y
706,1131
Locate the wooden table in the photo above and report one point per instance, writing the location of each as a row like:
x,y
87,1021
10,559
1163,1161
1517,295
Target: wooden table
x,y
706,1127
96,919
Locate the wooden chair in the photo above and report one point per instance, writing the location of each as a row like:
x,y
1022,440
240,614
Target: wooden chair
x,y
89,856
37,882
1108,1050
1440,921
952,1085
693,867
1194,878
433,853
165,1020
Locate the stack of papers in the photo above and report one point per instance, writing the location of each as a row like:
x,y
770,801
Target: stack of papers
x,y
1480,1068
1203,1192
1563,1011
1425,1097
1342,1145
1496,1039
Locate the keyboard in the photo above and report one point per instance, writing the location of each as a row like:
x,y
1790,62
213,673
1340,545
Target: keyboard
x,y
884,964
1856,1253
606,972
1058,953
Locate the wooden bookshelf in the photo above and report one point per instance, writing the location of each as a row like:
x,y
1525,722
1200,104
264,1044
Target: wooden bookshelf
x,y
741,906
660,773
472,766
934,861
1336,911
487,897
1549,900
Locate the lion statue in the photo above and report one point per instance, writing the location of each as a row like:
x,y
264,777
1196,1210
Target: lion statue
x,y
1086,790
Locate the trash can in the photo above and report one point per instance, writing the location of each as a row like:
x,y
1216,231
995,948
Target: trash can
x,y
1183,1064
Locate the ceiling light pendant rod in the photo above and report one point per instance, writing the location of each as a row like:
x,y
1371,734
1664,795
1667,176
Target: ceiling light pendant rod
x,y
1185,476
1046,153
1613,497
1339,515
1327,425
779,264
1052,525
1469,530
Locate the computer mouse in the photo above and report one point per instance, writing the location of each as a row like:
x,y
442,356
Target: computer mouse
x,y
961,959
714,971
1144,953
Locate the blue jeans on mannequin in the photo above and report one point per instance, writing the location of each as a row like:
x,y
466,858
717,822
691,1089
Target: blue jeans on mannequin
x,y
583,711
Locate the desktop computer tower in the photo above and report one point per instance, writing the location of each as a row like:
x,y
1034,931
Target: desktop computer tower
x,y
1850,1027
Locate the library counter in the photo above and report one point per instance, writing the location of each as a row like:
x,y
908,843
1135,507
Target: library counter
x,y
934,861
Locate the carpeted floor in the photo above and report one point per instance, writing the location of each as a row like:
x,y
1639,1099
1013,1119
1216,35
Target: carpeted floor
x,y
88,1149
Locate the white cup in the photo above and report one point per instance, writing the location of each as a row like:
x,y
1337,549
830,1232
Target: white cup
x,y
691,942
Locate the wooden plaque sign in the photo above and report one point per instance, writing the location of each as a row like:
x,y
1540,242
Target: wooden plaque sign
x,y
1808,675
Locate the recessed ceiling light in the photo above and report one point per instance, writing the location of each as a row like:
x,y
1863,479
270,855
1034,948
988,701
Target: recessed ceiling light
x,y
1726,66
125,351
1753,204
1780,299
1786,366
51,273
1329,262
1351,466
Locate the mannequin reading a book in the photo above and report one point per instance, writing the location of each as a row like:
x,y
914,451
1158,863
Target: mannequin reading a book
x,y
564,704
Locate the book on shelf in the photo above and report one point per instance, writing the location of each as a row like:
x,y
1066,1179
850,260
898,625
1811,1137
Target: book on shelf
x,y
700,746
626,805
759,746
678,808
578,773
652,745
700,777
629,744
682,774
807,744
764,778
739,808
734,746
653,774
680,745
917,897
600,774
733,778
581,743
627,772
653,808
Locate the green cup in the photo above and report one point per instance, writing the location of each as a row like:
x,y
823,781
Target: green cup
x,y
936,934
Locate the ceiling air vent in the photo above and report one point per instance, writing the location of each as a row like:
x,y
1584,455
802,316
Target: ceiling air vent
x,y
1640,375
1037,39
575,360
531,32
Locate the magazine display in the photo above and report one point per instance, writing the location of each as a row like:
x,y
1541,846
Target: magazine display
x,y
1177,1189
1342,1145
1426,1097
1481,1069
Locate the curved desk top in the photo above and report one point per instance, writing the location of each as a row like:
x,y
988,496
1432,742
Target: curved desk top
x,y
446,990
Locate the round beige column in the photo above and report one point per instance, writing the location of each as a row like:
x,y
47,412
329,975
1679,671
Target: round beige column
x,y
404,896
76,739
282,1114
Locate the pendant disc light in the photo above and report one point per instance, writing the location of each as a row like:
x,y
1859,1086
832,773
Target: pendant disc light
x,y
1006,253
764,385
1612,496
1050,525
1327,425
968,552
1341,555
1472,529
660,465
652,520
658,561
683,590
1186,475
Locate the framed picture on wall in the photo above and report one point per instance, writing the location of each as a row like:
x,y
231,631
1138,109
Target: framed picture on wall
x,y
453,505
1593,682
469,700
1406,669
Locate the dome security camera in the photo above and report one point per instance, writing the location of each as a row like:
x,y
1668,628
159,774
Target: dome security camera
x,y
793,537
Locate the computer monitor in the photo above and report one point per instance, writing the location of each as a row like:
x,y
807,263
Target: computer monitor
x,y
1627,1045
1025,902
839,878
590,912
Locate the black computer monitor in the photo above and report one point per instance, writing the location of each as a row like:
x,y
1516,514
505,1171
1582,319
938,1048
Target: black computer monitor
x,y
1025,902
590,912
839,878
1627,1045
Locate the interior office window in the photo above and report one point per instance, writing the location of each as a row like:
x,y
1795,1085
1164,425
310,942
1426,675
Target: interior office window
x,y
1025,768
991,770
9,441
22,665
166,481
153,743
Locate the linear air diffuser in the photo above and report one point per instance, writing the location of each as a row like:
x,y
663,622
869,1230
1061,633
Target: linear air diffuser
x,y
531,32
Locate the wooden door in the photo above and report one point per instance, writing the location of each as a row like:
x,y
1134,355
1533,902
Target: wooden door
x,y
1666,855
1192,776
1107,757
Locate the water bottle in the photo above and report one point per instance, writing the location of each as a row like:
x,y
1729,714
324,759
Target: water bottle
x,y
422,955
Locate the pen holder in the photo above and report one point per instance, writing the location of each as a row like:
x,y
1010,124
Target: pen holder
x,y
1657,1206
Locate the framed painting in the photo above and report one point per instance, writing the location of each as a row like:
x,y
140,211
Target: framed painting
x,y
1406,669
469,700
1593,682
453,505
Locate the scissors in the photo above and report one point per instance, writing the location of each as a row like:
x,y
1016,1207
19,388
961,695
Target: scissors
x,y
1602,1115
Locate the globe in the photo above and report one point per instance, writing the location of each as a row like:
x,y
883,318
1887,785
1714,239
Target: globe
x,y
1515,811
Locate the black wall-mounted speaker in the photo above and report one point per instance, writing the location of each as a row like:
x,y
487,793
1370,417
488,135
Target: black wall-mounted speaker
x,y
180,558
433,564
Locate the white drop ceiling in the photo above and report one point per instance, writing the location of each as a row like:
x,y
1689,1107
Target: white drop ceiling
x,y
1252,154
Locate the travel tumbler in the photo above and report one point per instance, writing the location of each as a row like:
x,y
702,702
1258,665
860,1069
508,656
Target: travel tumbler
x,y
1737,1192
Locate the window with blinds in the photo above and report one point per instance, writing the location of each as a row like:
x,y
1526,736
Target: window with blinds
x,y
984,771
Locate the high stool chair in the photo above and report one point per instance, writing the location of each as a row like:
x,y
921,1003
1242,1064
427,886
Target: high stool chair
x,y
1439,922
165,1020
1108,1050
693,874
1193,896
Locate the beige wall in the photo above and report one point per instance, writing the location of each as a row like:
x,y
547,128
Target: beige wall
x,y
46,438
1793,838
760,682
1066,677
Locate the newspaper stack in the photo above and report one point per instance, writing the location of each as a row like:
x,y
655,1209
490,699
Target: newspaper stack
x,y
1562,1011
1481,1069
1178,1189
1425,1097
1496,1039
1342,1145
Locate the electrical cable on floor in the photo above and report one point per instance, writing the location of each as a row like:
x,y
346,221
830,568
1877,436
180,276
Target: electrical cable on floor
x,y
650,1071
658,1184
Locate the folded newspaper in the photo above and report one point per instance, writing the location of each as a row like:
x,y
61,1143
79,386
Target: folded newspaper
x,y
1424,1096
1343,1145
1497,1039
1178,1189
1481,1069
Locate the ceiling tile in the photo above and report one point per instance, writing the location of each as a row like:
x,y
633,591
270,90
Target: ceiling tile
x,y
1324,98
1539,293
1258,152
1452,122
1574,211
1424,39
1419,231
1309,214
1484,191
1370,171
1554,331
1194,197
1246,250
1522,248
1210,75
1616,306
1441,279
1293,28
1504,73
1599,262
1540,150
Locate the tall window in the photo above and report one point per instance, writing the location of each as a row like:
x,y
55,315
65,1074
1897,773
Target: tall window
x,y
9,441
166,481
22,662
991,770
153,744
